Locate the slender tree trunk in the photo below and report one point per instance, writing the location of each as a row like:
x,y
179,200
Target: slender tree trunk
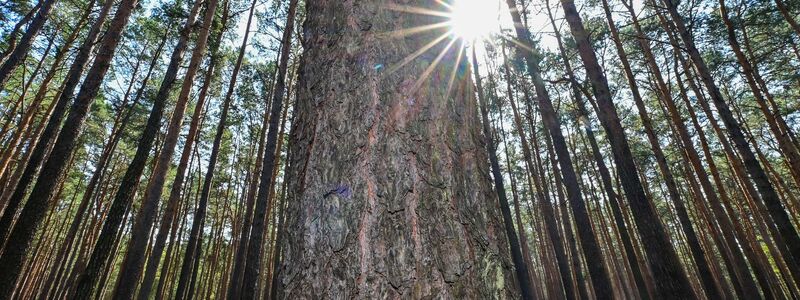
x,y
35,105
17,56
757,174
712,291
783,139
272,271
664,263
11,39
599,275
195,237
603,169
134,261
130,180
788,16
520,266
234,290
169,219
39,154
547,207
40,197
262,208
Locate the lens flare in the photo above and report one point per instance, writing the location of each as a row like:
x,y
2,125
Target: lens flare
x,y
473,19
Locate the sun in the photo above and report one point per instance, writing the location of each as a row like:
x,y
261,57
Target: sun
x,y
473,19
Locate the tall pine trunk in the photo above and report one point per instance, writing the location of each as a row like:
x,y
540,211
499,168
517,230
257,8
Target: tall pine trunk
x,y
16,57
134,260
589,243
520,267
129,183
40,198
252,265
39,155
756,172
670,279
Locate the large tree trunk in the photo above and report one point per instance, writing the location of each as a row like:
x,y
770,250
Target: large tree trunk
x,y
389,188
19,239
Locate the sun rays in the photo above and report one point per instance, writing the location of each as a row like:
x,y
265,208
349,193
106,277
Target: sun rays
x,y
463,23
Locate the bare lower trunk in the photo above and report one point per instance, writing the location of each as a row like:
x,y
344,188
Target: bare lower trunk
x,y
388,188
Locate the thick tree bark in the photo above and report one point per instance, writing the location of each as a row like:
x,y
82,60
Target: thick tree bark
x,y
40,197
88,279
17,56
757,174
520,267
388,187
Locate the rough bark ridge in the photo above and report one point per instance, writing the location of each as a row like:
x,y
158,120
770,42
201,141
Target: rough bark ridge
x,y
389,189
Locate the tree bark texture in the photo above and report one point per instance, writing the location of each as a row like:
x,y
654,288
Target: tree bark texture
x,y
389,192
